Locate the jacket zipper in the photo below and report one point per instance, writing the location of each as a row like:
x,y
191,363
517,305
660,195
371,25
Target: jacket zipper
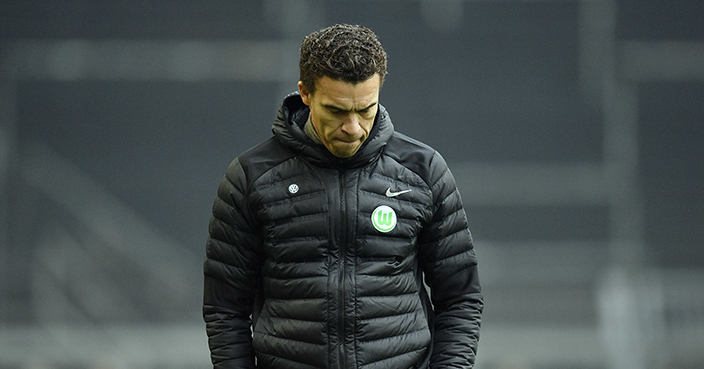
x,y
343,256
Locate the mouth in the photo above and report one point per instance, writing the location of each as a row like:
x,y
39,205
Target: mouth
x,y
348,140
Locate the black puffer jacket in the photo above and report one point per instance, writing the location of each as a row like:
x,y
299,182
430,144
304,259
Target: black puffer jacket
x,y
307,245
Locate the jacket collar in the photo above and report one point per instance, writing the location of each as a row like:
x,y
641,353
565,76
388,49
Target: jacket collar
x,y
288,130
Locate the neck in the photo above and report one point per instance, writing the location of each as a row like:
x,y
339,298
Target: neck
x,y
310,132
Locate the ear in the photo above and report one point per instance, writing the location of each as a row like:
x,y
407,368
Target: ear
x,y
305,94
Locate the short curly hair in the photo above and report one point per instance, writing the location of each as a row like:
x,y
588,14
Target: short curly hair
x,y
349,53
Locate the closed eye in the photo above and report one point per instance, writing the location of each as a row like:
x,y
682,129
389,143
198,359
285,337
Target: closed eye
x,y
335,110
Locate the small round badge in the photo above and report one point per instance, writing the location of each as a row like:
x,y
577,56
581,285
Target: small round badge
x,y
384,219
293,188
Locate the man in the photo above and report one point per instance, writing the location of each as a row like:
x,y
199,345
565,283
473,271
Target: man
x,y
321,236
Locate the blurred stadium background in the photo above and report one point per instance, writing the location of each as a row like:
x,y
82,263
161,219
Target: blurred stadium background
x,y
575,130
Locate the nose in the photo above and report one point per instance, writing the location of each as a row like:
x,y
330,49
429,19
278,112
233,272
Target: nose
x,y
351,125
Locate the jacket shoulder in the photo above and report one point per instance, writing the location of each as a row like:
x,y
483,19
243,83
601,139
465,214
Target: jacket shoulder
x,y
414,155
262,157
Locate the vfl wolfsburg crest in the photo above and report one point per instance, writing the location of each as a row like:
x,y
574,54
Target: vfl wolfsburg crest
x,y
384,218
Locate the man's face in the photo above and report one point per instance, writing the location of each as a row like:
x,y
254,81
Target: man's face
x,y
342,113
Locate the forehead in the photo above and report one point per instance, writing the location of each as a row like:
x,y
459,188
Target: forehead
x,y
345,94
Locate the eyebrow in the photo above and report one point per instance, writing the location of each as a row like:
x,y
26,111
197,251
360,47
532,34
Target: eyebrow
x,y
333,107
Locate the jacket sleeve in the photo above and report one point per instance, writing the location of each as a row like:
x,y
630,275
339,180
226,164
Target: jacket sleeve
x,y
231,270
449,263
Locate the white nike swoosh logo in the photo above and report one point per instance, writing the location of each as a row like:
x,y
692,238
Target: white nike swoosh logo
x,y
394,194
